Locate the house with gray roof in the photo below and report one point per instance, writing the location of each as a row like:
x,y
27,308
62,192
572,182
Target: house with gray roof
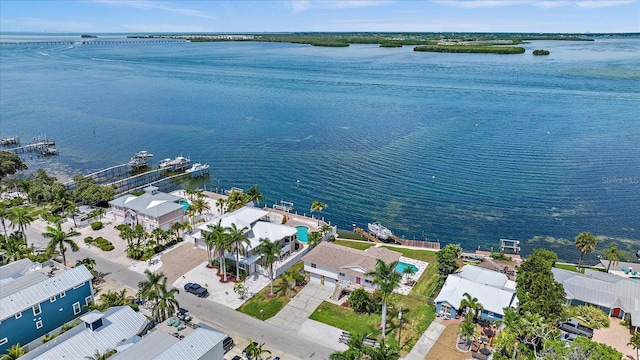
x,y
153,209
115,329
38,298
330,264
615,295
493,290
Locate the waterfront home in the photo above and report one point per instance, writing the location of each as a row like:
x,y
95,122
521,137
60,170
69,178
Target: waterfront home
x,y
153,209
493,290
257,225
331,265
615,295
38,298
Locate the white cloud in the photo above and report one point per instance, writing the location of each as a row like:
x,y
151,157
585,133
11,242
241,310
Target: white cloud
x,y
303,5
600,3
157,5
536,3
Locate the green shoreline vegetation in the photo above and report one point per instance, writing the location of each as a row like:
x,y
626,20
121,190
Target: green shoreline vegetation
x,y
541,52
482,49
388,40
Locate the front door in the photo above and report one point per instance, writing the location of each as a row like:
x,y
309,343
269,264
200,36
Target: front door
x,y
357,280
616,312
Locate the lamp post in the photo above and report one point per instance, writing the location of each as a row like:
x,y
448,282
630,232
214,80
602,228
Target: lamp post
x,y
400,326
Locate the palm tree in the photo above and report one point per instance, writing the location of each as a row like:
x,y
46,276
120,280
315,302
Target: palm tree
x,y
409,271
383,352
315,238
221,243
468,330
220,203
167,303
255,350
4,215
635,343
318,206
13,352
199,206
151,289
236,200
288,281
176,227
387,279
236,239
254,194
115,298
88,262
149,250
356,350
471,304
325,229
13,247
60,238
612,254
98,356
21,216
71,208
159,235
270,251
586,244
209,239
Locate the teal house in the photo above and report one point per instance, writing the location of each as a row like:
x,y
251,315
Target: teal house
x,y
38,298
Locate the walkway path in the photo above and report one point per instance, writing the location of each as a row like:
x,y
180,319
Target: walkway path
x,y
426,341
300,307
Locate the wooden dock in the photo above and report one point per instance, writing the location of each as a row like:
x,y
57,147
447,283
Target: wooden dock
x,y
418,243
41,145
365,234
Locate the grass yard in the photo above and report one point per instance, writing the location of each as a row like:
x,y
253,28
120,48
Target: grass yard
x,y
360,245
270,306
417,310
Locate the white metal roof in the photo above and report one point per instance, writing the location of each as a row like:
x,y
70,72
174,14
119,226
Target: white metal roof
x,y
271,231
26,290
151,204
483,276
492,298
119,323
195,345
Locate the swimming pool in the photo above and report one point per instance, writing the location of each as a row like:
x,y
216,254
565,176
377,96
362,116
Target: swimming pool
x,y
303,233
185,205
401,266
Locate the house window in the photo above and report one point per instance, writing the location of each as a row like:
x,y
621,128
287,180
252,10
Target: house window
x,y
18,315
87,300
36,310
313,266
341,274
76,308
63,294
3,341
53,299
38,324
367,281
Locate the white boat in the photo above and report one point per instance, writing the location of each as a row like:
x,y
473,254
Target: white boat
x,y
140,159
178,164
378,230
198,170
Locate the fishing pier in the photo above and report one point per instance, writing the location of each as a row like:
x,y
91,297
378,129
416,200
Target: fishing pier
x,y
40,145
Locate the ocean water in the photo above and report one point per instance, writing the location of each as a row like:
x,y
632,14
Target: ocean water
x,y
459,148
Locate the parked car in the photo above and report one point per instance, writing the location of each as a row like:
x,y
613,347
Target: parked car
x,y
183,314
568,336
196,289
227,344
574,327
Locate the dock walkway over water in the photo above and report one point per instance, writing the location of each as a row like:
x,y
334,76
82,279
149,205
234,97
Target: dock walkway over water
x,y
415,243
40,144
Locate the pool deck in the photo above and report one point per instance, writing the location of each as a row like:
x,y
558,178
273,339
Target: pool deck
x,y
421,265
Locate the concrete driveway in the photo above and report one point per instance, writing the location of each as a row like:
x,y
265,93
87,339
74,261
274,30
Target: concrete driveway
x,y
181,259
300,307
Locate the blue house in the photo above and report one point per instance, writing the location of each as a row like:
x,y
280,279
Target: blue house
x,y
493,290
37,298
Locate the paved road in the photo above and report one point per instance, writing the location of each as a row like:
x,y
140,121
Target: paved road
x,y
214,314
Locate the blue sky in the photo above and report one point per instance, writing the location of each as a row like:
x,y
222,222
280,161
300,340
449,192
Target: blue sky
x,y
99,16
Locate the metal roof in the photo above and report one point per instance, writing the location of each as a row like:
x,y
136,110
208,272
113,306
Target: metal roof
x,y
34,287
151,204
600,288
195,345
492,298
119,323
148,347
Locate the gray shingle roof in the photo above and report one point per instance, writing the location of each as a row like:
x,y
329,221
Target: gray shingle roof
x,y
22,291
346,259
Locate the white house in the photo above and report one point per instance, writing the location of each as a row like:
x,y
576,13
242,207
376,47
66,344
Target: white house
x,y
328,263
153,209
257,224
493,290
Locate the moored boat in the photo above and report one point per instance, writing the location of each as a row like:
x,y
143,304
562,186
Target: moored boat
x,y
198,170
140,159
378,230
178,164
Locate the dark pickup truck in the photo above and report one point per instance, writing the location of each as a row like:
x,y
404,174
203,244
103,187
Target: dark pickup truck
x,y
196,289
574,327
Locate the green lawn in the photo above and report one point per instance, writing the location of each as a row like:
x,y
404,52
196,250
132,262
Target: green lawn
x,y
418,310
270,306
360,245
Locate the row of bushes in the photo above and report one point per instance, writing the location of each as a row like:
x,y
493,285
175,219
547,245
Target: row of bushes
x,y
96,225
102,243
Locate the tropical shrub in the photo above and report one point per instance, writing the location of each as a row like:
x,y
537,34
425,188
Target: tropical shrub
x,y
500,256
541,52
88,240
361,301
96,225
589,315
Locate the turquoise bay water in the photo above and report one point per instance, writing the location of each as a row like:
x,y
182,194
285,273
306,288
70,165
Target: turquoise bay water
x,y
461,148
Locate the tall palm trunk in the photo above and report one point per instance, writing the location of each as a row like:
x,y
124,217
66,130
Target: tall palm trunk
x,y
384,319
237,264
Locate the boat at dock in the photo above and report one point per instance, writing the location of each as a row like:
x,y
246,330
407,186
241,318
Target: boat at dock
x,y
10,140
140,159
178,164
378,230
198,170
